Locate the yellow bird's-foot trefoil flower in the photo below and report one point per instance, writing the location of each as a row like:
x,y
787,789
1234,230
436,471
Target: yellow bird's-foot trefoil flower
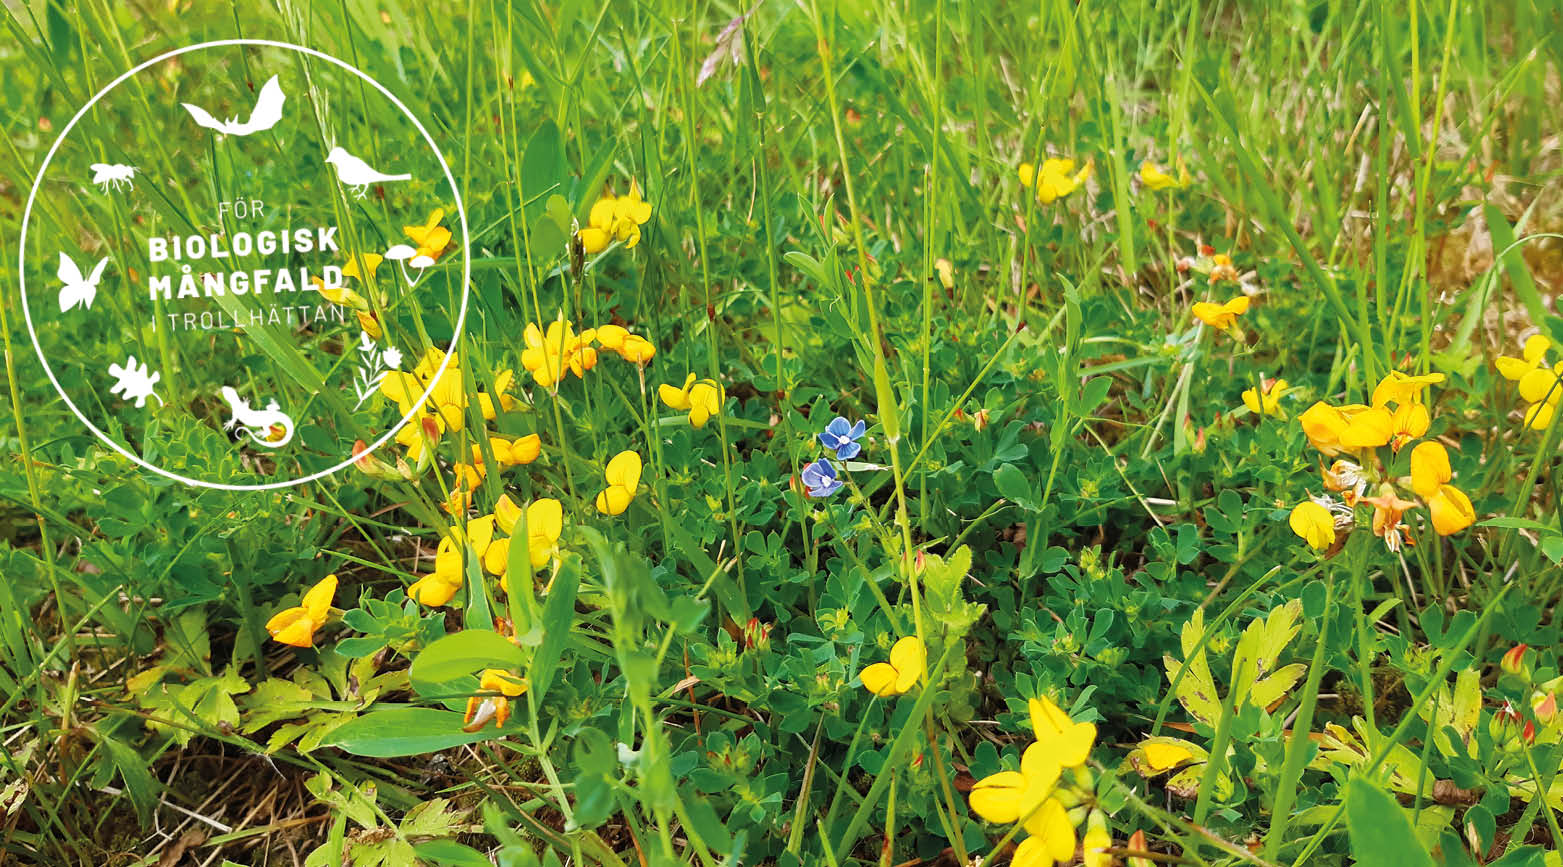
x,y
908,662
1223,315
296,626
700,398
1056,179
623,474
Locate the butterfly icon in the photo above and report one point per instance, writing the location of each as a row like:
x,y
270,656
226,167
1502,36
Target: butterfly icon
x,y
78,289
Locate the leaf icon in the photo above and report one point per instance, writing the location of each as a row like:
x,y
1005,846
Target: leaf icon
x,y
134,381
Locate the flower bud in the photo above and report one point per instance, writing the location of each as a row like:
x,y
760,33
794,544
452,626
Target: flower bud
x,y
1528,734
1137,843
1097,841
1514,661
1545,706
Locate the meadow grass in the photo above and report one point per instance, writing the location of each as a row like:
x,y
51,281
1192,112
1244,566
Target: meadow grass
x,y
1062,498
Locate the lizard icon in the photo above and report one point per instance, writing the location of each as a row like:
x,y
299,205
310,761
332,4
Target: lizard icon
x,y
257,423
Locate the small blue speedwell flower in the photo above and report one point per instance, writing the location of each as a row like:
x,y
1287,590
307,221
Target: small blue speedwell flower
x,y
820,478
841,437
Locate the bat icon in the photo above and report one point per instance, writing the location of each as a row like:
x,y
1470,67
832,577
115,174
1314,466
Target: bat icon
x,y
78,290
116,175
268,110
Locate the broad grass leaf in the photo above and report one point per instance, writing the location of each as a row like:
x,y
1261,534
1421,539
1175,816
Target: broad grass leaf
x,y
403,731
463,653
558,617
1379,830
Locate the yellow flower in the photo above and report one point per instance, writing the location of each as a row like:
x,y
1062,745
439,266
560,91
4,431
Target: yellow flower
x,y
1367,427
1538,416
1314,524
549,354
1323,425
614,218
521,450
1534,350
296,626
370,324
630,347
701,399
1009,796
362,266
1400,388
1409,421
908,662
623,473
431,238
1275,389
1097,841
340,295
1221,316
1053,843
1056,179
1429,469
494,707
1067,741
437,587
1154,178
544,525
1540,384
1451,510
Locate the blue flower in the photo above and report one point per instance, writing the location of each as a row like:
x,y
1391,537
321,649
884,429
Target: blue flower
x,y
820,478
840,437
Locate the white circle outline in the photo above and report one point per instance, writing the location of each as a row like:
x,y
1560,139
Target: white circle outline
x,y
466,264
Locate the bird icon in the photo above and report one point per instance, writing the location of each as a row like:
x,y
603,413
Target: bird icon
x,y
354,172
267,111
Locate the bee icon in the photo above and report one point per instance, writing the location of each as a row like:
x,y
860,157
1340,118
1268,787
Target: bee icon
x,y
105,175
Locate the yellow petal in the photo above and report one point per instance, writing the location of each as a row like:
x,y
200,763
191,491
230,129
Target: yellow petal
x,y
497,558
1429,468
1051,824
1369,428
909,658
506,513
545,519
997,797
318,600
613,500
880,679
292,626
624,470
1536,346
1160,757
432,590
1538,384
1451,510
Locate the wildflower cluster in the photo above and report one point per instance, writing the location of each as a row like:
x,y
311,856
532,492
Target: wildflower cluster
x,y
1048,806
549,354
1353,434
1539,385
615,218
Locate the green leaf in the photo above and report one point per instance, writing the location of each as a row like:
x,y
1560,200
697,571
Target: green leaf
x,y
464,653
140,786
449,852
558,618
1012,483
1379,830
403,731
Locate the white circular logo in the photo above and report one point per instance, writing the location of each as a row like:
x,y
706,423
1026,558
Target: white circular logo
x,y
226,252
